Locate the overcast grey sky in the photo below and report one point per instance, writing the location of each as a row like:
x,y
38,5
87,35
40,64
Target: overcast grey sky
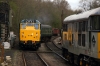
x,y
73,3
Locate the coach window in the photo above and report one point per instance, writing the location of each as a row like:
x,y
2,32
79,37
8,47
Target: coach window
x,y
83,40
76,27
63,26
72,38
83,26
79,39
80,27
66,27
44,30
49,30
86,25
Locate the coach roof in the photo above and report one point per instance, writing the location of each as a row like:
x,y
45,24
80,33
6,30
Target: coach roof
x,y
45,26
84,15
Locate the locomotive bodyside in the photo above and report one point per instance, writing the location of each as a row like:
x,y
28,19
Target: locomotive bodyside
x,y
81,38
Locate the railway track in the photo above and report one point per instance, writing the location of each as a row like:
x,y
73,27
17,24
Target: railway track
x,y
53,47
24,60
53,41
33,59
56,50
43,58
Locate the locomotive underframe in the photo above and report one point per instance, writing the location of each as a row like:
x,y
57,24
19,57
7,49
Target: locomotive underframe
x,y
29,44
81,59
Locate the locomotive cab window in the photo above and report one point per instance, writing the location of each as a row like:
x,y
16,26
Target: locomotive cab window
x,y
95,22
36,26
65,27
23,25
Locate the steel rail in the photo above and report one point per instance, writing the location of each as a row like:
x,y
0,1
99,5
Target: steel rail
x,y
56,53
42,59
40,51
56,45
23,57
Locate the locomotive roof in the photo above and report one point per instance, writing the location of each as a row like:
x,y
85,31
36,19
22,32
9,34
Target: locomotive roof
x,y
84,15
30,21
47,26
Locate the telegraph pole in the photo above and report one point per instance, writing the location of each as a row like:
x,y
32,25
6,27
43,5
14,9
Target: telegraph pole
x,y
61,22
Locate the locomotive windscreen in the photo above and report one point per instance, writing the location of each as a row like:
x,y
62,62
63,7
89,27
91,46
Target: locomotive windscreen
x,y
95,22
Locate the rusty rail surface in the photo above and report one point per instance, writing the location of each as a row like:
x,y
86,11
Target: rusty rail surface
x,y
24,60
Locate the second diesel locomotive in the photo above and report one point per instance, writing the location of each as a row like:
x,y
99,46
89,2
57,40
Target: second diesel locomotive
x,y
81,38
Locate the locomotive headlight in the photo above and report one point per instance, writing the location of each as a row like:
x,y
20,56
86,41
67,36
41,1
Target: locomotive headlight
x,y
32,34
36,34
23,34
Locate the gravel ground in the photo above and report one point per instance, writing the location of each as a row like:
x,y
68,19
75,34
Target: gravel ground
x,y
56,42
33,59
53,60
16,57
43,48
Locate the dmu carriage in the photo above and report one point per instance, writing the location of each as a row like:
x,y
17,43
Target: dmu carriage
x,y
81,38
46,33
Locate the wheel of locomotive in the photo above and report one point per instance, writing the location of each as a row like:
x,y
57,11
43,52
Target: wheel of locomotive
x,y
65,53
92,62
79,60
83,62
35,48
87,64
71,58
21,46
68,56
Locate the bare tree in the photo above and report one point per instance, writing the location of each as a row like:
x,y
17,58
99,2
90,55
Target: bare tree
x,y
89,4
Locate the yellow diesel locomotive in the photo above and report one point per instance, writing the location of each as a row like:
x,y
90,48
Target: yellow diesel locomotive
x,y
81,38
29,36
